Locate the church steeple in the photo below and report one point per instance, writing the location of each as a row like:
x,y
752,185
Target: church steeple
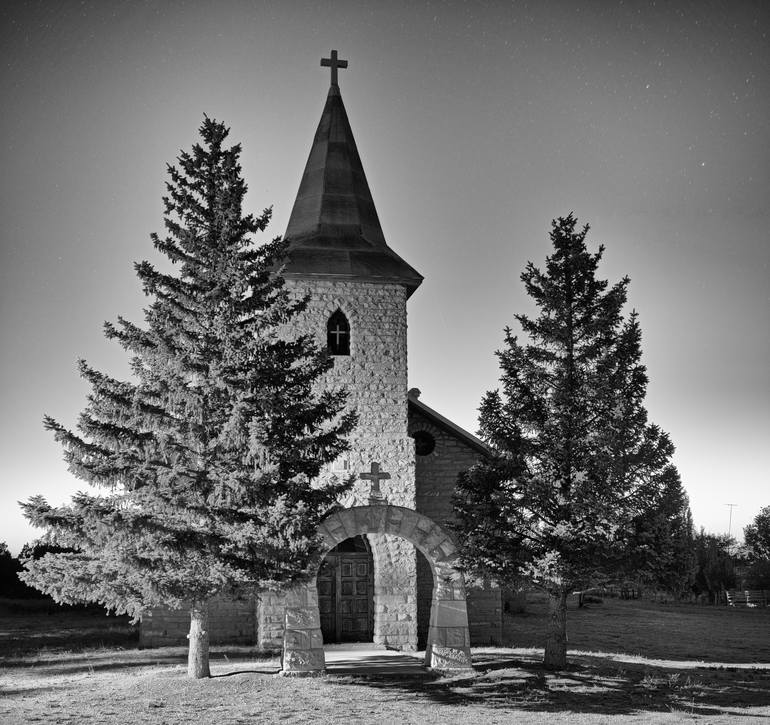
x,y
334,231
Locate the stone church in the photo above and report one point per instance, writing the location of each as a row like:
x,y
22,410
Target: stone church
x,y
388,576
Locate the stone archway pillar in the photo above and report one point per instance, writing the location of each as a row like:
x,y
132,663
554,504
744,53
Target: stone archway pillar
x,y
303,649
448,637
449,641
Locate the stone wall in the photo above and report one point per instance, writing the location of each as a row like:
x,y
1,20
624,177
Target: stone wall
x,y
231,621
270,614
375,376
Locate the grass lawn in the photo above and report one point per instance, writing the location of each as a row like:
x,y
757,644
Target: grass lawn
x,y
629,662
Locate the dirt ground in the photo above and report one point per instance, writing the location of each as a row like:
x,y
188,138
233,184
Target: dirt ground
x,y
629,662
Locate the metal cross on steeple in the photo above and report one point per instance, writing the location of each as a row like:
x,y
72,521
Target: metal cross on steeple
x,y
333,63
375,476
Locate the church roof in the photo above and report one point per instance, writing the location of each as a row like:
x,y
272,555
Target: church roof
x,y
417,406
334,231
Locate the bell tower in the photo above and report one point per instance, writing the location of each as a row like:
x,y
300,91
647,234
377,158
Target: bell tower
x,y
358,288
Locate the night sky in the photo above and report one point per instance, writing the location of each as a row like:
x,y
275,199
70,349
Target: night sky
x,y
477,124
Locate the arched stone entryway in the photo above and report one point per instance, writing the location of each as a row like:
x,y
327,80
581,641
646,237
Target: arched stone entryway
x,y
448,646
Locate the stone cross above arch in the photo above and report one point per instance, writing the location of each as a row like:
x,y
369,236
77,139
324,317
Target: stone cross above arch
x,y
375,475
448,646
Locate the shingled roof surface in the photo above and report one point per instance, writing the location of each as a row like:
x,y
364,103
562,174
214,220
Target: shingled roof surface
x,y
334,230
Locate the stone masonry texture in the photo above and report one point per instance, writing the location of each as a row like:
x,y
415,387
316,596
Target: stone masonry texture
x,y
231,621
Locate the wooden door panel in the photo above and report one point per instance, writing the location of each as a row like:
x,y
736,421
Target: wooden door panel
x,y
345,603
354,601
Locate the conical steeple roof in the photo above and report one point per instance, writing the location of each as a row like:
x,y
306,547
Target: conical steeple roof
x,y
334,231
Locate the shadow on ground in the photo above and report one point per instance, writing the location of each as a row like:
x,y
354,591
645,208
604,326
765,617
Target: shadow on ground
x,y
591,684
246,659
34,642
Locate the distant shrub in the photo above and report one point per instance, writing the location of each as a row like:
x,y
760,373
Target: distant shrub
x,y
758,575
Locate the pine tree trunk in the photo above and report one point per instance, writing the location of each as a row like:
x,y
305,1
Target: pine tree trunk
x,y
198,652
556,637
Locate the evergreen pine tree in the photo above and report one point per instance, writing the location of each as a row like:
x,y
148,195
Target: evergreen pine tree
x,y
208,459
661,546
576,460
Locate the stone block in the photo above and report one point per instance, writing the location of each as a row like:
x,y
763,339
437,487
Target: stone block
x,y
409,523
302,618
364,521
448,658
433,538
310,660
424,525
397,628
449,613
336,529
450,636
395,518
302,595
302,639
327,536
378,518
348,522
418,537
445,551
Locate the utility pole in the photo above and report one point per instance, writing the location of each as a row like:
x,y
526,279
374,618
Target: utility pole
x,y
730,524
731,506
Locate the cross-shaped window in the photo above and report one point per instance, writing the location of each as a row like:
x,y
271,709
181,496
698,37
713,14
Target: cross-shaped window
x,y
338,334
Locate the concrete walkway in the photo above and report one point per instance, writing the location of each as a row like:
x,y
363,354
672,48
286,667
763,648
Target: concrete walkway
x,y
365,658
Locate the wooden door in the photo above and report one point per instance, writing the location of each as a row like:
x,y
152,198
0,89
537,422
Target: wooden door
x,y
345,586
354,598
